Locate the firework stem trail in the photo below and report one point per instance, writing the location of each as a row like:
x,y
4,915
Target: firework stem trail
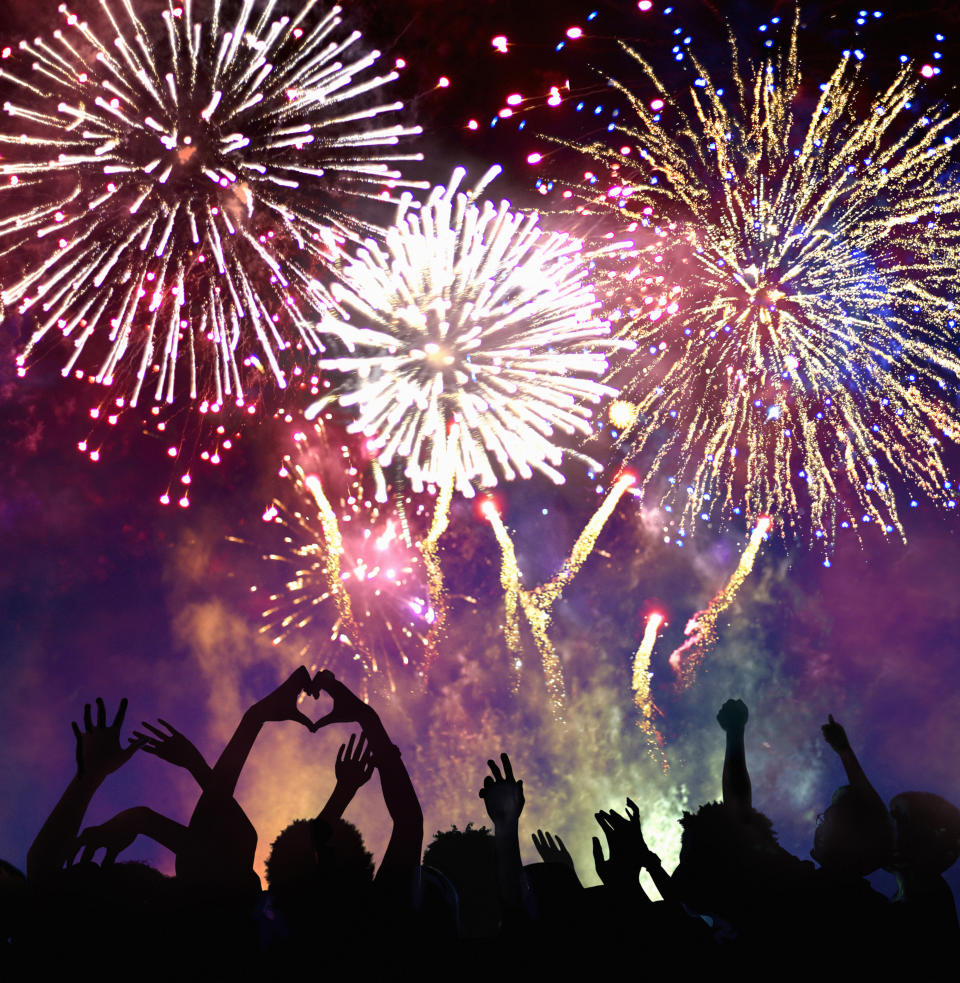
x,y
701,629
430,550
642,694
333,547
537,603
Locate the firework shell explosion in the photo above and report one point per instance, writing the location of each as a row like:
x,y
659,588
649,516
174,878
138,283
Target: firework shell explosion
x,y
807,371
477,340
175,181
350,567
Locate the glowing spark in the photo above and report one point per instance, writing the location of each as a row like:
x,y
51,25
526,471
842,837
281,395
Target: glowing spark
x,y
195,174
475,316
811,367
701,629
537,603
621,414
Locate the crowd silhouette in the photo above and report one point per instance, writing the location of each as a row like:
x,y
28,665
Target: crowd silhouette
x,y
467,904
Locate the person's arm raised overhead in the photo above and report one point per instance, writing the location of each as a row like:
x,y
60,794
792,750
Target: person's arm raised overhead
x,y
99,754
737,791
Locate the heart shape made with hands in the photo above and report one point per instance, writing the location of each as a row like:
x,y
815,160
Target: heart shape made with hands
x,y
346,706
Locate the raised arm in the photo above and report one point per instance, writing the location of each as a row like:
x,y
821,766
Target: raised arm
x,y
737,792
99,753
401,861
836,737
117,834
503,796
281,704
218,852
353,769
176,749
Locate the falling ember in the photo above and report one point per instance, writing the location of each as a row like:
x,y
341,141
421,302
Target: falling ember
x,y
228,140
811,369
471,316
642,696
537,603
701,629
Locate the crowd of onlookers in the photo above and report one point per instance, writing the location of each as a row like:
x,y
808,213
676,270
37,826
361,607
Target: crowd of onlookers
x,y
737,899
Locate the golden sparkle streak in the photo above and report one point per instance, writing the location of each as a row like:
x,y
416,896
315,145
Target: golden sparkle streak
x,y
701,629
430,550
809,370
537,603
333,546
178,181
642,695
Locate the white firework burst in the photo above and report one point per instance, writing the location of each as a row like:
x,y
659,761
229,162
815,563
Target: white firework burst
x,y
475,341
176,179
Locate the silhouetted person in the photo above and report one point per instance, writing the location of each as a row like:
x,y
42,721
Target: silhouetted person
x,y
732,869
467,858
316,868
502,795
927,844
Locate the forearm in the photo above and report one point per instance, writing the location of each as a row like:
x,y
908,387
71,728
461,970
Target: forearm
x,y
737,791
514,890
51,848
223,777
660,878
337,804
167,832
857,777
202,772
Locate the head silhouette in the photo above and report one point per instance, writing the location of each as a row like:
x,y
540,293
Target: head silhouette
x,y
316,869
927,832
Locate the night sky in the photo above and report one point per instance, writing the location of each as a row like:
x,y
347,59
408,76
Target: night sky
x,y
105,591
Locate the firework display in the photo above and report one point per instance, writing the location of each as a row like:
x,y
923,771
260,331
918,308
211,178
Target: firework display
x,y
472,315
808,368
180,181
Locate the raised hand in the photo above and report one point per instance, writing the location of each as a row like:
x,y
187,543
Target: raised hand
x,y
115,835
835,735
354,763
281,704
347,706
99,751
552,851
733,716
628,850
171,746
502,794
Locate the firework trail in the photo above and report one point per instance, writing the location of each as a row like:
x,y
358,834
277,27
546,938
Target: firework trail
x,y
175,181
476,316
537,602
808,371
701,629
642,695
430,550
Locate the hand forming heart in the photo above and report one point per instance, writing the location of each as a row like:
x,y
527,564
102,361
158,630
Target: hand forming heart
x,y
281,704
